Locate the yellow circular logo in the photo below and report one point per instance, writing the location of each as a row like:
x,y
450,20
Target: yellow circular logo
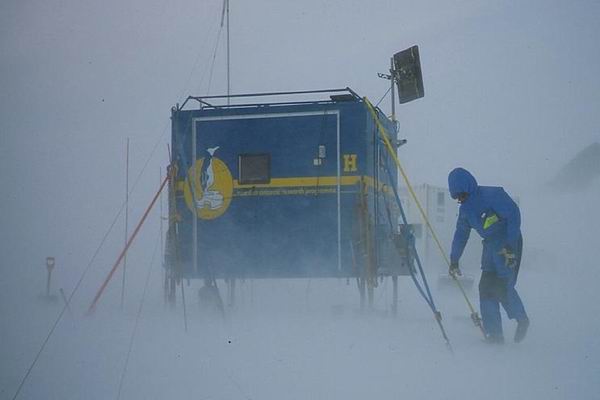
x,y
213,188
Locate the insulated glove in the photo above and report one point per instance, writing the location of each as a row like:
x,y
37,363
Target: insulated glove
x,y
510,258
454,270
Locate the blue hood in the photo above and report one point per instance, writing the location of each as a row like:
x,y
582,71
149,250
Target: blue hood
x,y
460,180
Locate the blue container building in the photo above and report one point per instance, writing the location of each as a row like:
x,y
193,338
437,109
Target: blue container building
x,y
291,188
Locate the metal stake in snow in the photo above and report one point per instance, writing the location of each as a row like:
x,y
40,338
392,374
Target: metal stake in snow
x,y
133,235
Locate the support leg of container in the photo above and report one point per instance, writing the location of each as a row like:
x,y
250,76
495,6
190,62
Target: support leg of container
x,y
395,295
361,290
172,291
166,288
183,306
231,292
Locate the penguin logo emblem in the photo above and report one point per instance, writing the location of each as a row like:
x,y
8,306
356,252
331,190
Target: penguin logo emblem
x,y
213,186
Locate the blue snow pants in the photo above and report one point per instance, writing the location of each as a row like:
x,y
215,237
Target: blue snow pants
x,y
497,286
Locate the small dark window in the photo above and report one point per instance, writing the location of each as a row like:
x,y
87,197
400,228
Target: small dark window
x,y
254,168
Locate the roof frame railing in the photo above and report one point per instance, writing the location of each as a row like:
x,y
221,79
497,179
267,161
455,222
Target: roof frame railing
x,y
203,103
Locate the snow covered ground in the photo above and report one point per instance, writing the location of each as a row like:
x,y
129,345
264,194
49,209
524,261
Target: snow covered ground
x,y
299,339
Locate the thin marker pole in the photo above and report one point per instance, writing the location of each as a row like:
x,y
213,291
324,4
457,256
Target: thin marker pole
x,y
126,222
162,256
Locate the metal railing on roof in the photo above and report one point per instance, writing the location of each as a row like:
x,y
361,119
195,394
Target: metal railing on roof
x,y
336,95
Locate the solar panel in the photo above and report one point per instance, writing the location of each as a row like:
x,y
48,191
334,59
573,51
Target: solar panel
x,y
407,74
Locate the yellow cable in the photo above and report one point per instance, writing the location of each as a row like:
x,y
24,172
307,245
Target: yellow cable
x,y
392,152
386,140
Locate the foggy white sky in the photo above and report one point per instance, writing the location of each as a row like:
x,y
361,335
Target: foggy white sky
x,y
511,91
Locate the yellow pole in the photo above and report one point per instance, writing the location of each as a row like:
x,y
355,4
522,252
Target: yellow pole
x,y
382,131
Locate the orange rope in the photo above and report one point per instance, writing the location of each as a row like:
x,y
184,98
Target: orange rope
x,y
124,251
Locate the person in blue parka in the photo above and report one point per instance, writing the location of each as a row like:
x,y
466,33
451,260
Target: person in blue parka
x,y
497,219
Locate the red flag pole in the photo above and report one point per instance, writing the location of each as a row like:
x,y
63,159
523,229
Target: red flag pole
x,y
131,238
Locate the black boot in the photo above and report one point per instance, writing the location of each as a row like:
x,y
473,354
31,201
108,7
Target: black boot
x,y
521,331
494,339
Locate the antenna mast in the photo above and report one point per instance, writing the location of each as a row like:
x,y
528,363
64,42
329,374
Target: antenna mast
x,y
225,15
392,74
